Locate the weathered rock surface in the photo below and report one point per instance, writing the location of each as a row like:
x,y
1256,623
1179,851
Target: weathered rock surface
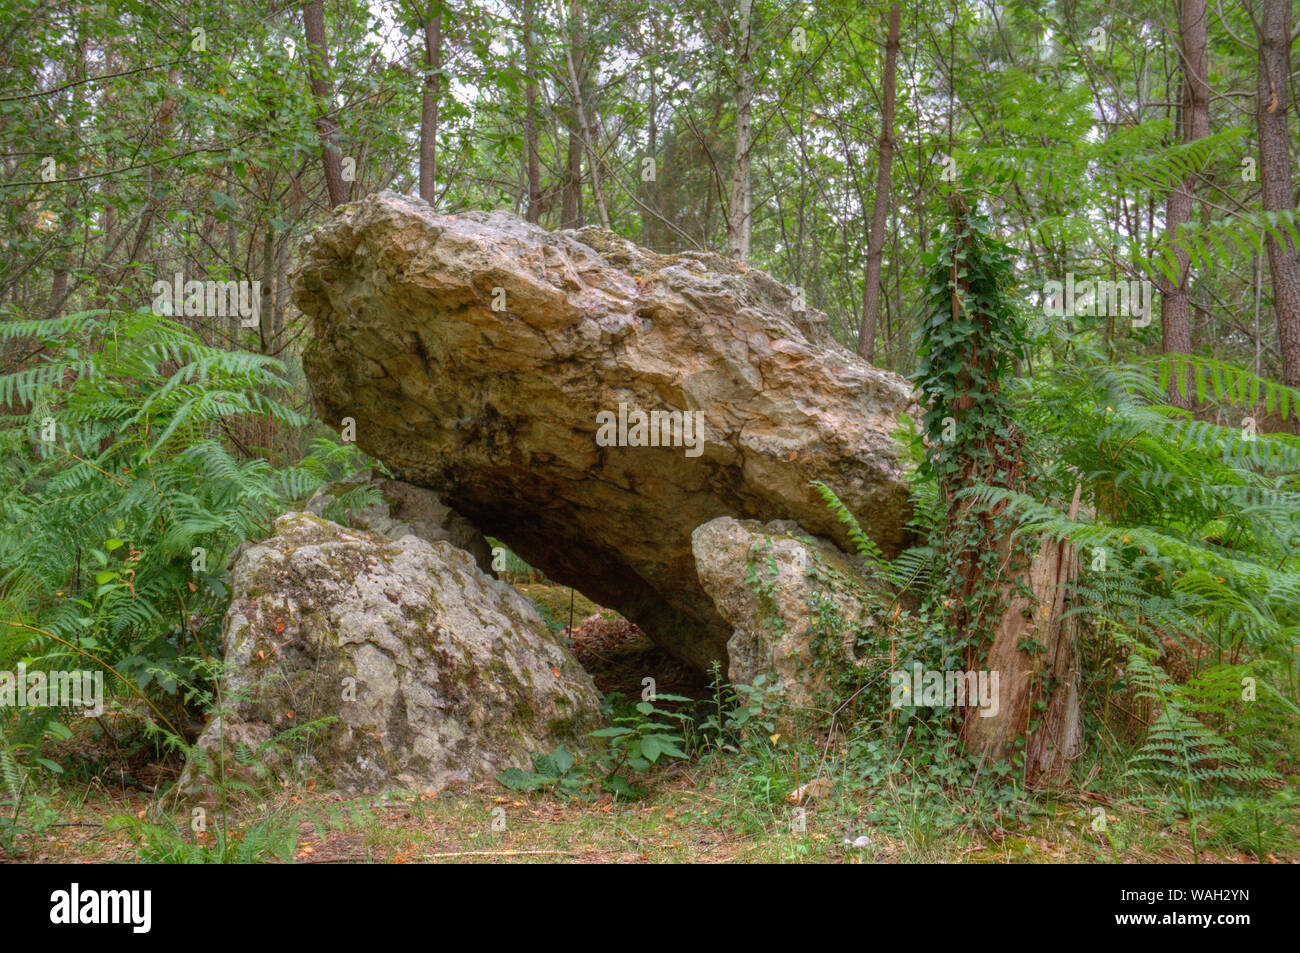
x,y
474,353
433,672
402,509
798,605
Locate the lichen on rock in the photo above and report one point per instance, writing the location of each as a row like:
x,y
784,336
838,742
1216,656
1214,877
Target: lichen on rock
x,y
401,509
413,668
797,605
474,353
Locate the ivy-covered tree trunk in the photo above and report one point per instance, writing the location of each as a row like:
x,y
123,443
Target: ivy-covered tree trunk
x,y
1006,591
1031,646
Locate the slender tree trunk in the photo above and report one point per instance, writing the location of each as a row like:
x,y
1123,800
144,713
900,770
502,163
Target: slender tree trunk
x,y
1194,123
530,117
650,211
880,210
588,138
738,214
318,66
429,108
571,208
1275,177
266,325
59,284
234,327
278,310
144,230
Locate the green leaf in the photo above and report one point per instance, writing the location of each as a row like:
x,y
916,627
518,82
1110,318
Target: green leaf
x,y
517,780
650,748
611,732
563,759
667,745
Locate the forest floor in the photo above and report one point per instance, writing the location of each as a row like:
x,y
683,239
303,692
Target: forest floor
x,y
719,808
693,815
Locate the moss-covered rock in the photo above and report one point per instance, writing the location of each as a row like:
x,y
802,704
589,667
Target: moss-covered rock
x,y
798,605
374,663
401,509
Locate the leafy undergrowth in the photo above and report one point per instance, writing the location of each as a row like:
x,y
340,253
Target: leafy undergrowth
x,y
701,813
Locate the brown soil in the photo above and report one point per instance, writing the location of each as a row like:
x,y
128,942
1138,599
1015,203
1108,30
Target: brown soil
x,y
618,655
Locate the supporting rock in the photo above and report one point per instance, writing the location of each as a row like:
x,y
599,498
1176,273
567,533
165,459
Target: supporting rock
x,y
798,605
403,509
417,669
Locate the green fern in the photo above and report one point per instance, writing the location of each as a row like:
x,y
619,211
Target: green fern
x,y
144,453
865,544
1183,753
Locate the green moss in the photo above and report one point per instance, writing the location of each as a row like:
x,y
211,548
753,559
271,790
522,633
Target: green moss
x,y
1015,850
525,717
552,604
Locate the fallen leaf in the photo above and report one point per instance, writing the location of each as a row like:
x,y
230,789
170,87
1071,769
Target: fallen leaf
x,y
816,788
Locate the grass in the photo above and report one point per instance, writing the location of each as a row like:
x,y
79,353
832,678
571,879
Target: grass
x,y
697,813
901,805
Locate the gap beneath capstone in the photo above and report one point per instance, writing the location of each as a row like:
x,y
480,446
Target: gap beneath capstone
x,y
617,654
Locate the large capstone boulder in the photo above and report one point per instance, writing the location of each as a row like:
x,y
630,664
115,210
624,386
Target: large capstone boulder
x,y
803,612
373,663
516,371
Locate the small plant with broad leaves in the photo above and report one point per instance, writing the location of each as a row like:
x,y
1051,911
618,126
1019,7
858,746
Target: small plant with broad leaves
x,y
557,773
739,713
639,739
